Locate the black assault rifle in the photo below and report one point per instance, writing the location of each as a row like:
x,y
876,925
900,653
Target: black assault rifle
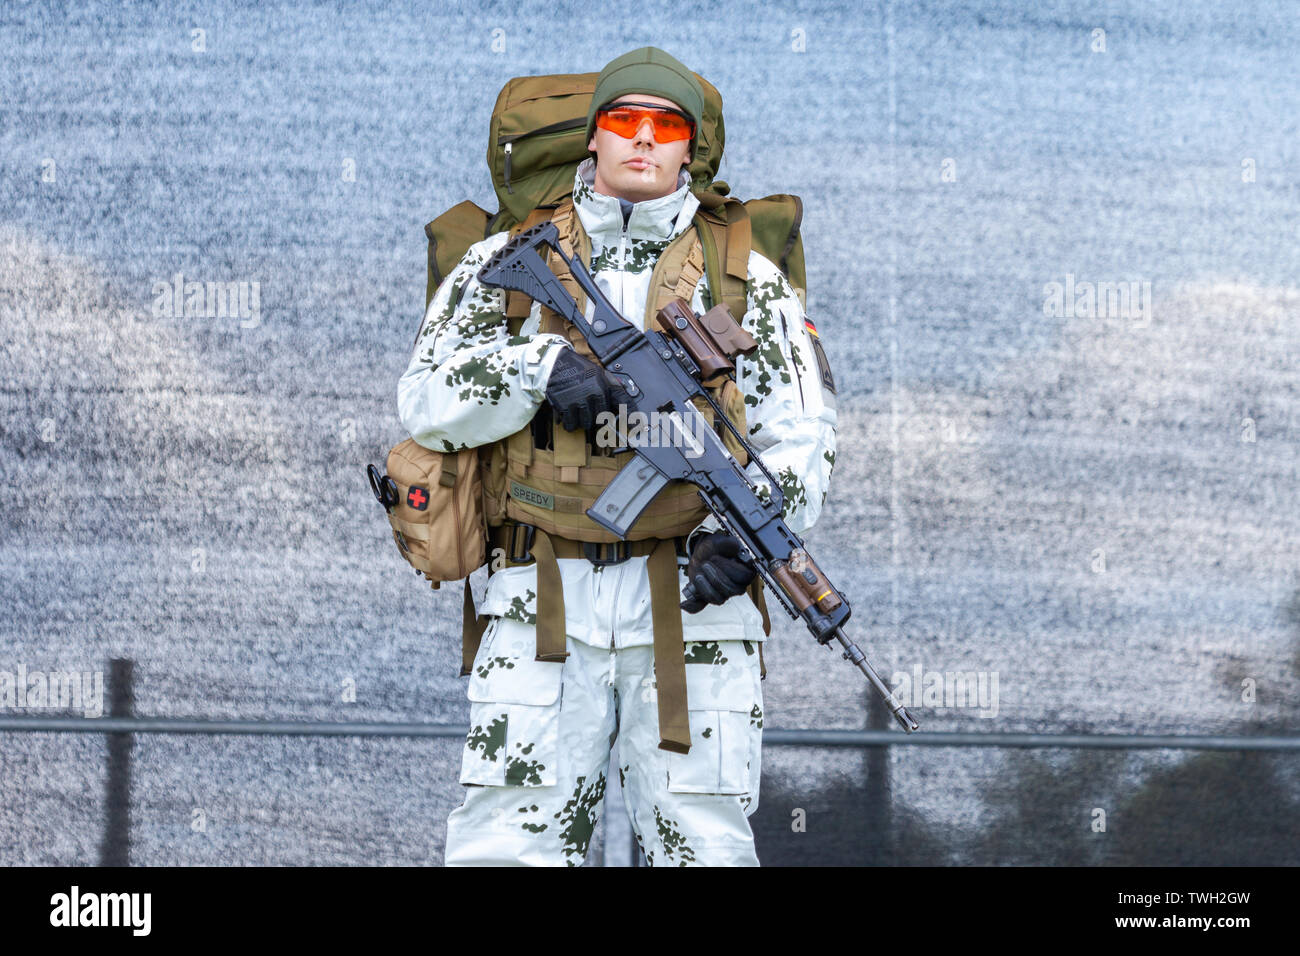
x,y
661,374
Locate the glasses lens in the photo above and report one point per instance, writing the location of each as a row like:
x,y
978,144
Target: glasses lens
x,y
622,122
670,126
625,121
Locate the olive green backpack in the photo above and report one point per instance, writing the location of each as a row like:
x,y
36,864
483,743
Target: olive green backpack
x,y
535,144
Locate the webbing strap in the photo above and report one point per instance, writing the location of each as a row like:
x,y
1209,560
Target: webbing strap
x,y
723,257
740,240
692,270
760,602
570,453
561,547
575,245
670,655
448,476
550,601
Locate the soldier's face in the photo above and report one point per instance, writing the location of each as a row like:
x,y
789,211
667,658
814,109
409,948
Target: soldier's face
x,y
640,167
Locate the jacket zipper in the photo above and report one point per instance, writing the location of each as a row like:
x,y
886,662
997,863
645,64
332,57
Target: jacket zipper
x,y
794,366
622,273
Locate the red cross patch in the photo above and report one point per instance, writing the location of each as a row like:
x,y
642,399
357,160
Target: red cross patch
x,y
418,498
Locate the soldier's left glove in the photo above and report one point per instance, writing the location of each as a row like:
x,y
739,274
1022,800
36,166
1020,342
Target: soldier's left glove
x,y
716,572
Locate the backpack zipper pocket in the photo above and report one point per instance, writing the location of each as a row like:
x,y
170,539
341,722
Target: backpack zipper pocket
x,y
508,142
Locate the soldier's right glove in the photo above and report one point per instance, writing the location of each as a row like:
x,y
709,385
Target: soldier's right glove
x,y
579,390
716,572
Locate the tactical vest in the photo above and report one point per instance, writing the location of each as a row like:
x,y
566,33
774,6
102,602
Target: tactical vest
x,y
550,489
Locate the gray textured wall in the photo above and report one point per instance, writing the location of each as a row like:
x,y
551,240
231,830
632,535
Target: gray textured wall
x,y
1099,510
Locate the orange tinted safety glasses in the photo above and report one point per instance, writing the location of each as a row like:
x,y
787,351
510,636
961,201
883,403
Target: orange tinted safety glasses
x,y
626,118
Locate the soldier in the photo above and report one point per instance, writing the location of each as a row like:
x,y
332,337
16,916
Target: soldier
x,y
542,730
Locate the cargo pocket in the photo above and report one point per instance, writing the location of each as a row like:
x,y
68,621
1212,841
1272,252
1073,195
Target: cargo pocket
x,y
719,700
513,737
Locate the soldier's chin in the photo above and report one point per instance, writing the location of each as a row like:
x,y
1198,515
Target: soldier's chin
x,y
645,180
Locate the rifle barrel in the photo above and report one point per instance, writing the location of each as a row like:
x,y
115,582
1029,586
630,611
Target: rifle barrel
x,y
853,654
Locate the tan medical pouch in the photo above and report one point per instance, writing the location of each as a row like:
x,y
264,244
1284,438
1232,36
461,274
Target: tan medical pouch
x,y
434,502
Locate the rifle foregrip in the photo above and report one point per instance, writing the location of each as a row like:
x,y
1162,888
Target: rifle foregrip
x,y
804,582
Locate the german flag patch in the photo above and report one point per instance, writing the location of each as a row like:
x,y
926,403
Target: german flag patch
x,y
823,366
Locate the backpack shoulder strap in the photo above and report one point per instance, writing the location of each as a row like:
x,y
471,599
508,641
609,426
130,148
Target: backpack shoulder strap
x,y
576,245
775,223
518,303
450,236
724,231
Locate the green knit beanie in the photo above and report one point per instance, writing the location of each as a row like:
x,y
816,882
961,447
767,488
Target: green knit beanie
x,y
648,70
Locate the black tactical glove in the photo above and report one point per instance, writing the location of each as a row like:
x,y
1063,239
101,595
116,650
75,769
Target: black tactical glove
x,y
715,571
579,390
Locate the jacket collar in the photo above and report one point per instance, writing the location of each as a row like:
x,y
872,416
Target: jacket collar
x,y
654,220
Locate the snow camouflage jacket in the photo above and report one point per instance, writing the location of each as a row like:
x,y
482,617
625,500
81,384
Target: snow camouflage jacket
x,y
470,383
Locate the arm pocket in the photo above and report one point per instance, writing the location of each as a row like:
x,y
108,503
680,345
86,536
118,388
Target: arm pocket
x,y
724,741
513,738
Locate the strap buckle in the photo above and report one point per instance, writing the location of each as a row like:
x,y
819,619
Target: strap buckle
x,y
512,540
594,551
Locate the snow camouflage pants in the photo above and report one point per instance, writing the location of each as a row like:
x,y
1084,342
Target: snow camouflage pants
x,y
538,749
